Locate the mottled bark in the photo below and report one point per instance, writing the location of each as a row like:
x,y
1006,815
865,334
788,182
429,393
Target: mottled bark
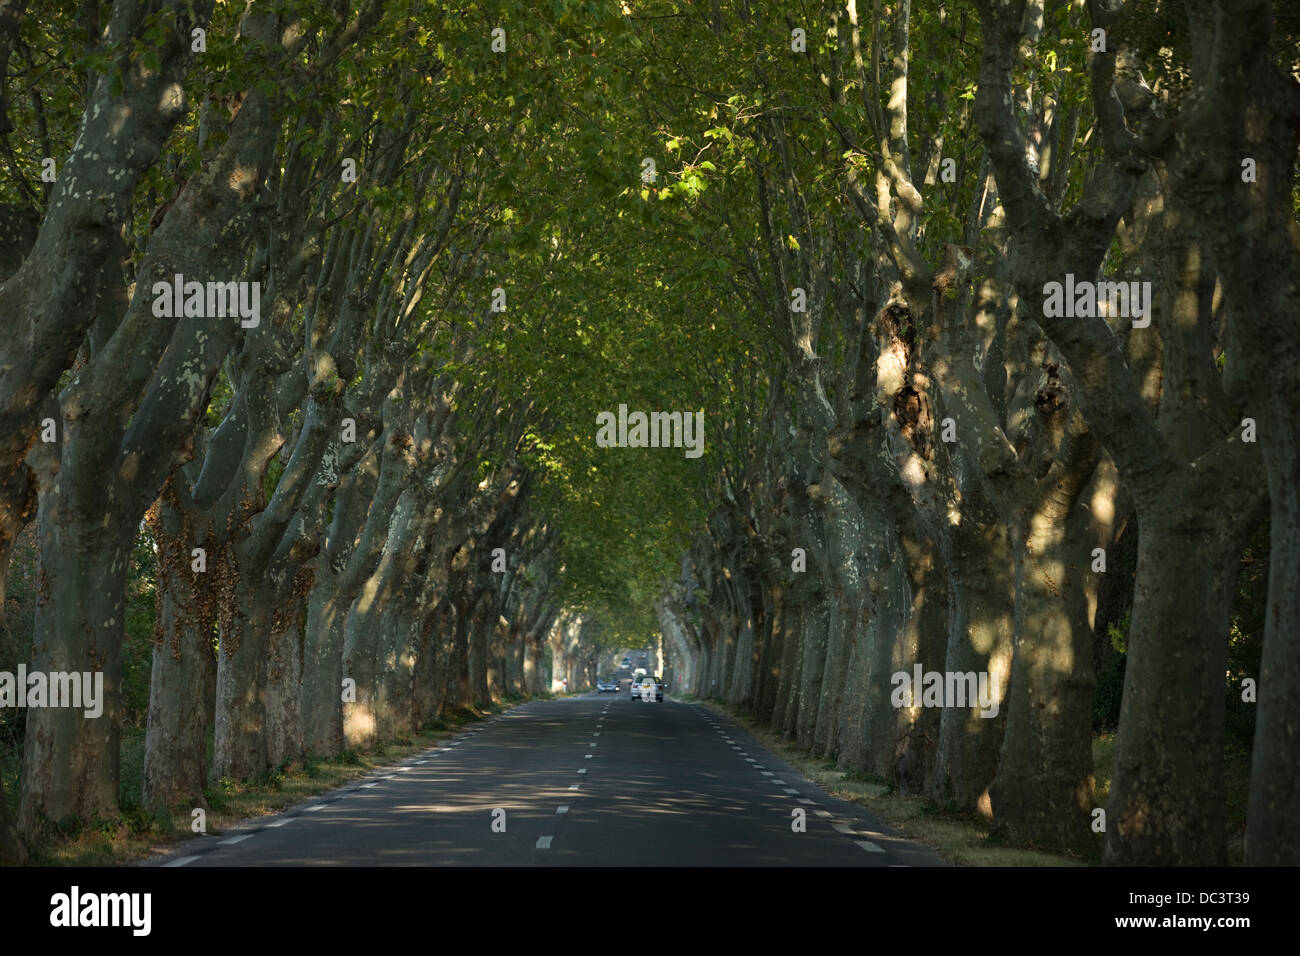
x,y
239,748
850,538
17,508
430,670
980,629
769,658
813,635
1274,794
321,694
916,730
1043,790
182,681
366,655
395,672
13,851
787,693
1246,104
284,737
534,666
71,761
120,137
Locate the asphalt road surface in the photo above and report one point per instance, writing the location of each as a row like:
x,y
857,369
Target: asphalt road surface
x,y
596,780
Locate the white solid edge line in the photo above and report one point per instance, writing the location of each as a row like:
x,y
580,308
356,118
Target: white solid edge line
x,y
367,786
280,823
181,861
319,806
234,839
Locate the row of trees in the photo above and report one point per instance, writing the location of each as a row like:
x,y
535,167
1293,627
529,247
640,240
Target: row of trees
x,y
974,483
475,229
338,498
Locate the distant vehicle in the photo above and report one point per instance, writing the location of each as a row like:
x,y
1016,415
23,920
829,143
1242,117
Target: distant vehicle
x,y
607,686
642,687
627,662
639,672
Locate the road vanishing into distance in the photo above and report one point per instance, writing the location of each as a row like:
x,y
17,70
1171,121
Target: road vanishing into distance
x,y
592,780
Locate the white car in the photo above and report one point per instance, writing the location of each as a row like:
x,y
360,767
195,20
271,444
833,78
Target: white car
x,y
644,688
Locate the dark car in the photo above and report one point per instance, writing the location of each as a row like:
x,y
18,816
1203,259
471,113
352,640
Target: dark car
x,y
607,686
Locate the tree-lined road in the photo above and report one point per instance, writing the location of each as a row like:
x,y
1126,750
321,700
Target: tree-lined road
x,y
590,780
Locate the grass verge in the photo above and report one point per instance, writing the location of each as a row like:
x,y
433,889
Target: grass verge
x,y
139,834
961,838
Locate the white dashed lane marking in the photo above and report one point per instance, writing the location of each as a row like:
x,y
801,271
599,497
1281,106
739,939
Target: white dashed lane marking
x,y
181,861
544,843
870,847
319,806
236,839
